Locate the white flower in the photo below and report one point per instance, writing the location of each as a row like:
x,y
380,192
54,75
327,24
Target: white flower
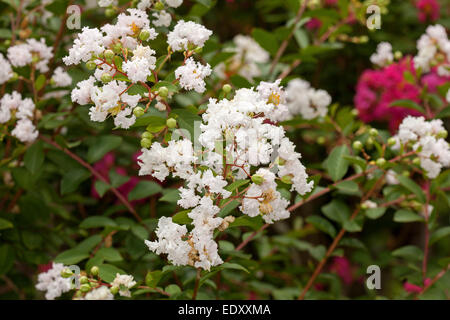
x,y
391,177
369,204
100,293
429,44
383,56
61,78
19,55
82,93
144,5
6,72
191,75
447,97
174,3
25,131
162,18
122,121
52,282
89,42
185,33
107,3
124,282
138,69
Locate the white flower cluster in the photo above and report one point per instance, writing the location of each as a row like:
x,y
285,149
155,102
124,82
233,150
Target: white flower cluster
x,y
6,72
248,54
187,35
52,282
123,282
31,51
12,106
61,78
383,56
100,293
191,75
246,124
306,101
425,138
430,44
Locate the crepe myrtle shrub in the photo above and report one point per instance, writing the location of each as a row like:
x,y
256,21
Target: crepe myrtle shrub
x,y
148,156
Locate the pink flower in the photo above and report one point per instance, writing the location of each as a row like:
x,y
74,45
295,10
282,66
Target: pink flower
x,y
342,267
313,24
412,288
427,10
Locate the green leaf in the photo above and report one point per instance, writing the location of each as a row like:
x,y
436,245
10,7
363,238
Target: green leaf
x,y
322,224
237,184
356,160
109,254
352,226
72,179
152,278
108,272
170,195
235,266
7,258
444,113
5,224
348,187
412,186
34,157
117,179
101,146
101,187
140,232
440,234
89,243
337,211
336,164
408,252
409,104
239,81
245,221
404,215
40,82
182,217
144,189
266,40
375,213
172,289
153,123
71,256
97,222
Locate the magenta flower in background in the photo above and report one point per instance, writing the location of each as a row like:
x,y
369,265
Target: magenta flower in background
x,y
427,10
342,267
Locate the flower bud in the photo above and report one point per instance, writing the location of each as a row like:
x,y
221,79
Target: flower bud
x,y
226,88
117,48
357,145
391,141
138,112
281,161
146,143
84,279
416,161
85,287
406,173
257,179
442,134
287,179
106,77
398,55
320,140
159,5
114,290
171,123
163,92
66,273
380,162
147,135
14,77
94,271
110,12
144,35
91,65
109,54
373,132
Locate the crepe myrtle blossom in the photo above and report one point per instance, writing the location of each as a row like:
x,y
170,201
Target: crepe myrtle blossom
x,y
107,3
31,51
13,107
429,45
192,74
6,72
61,78
306,101
123,282
173,3
425,137
383,56
100,293
248,55
186,35
52,282
161,19
253,140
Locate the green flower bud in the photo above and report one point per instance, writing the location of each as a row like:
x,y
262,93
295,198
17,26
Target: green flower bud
x,y
391,141
138,112
85,287
91,65
106,77
144,35
321,140
406,173
357,145
369,142
355,112
94,271
416,161
7,42
34,58
381,162
364,206
442,134
66,273
287,179
84,279
14,77
114,290
226,88
198,50
163,92
171,123
110,12
146,143
109,54
159,5
373,132
117,48
281,161
398,55
257,179
147,135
